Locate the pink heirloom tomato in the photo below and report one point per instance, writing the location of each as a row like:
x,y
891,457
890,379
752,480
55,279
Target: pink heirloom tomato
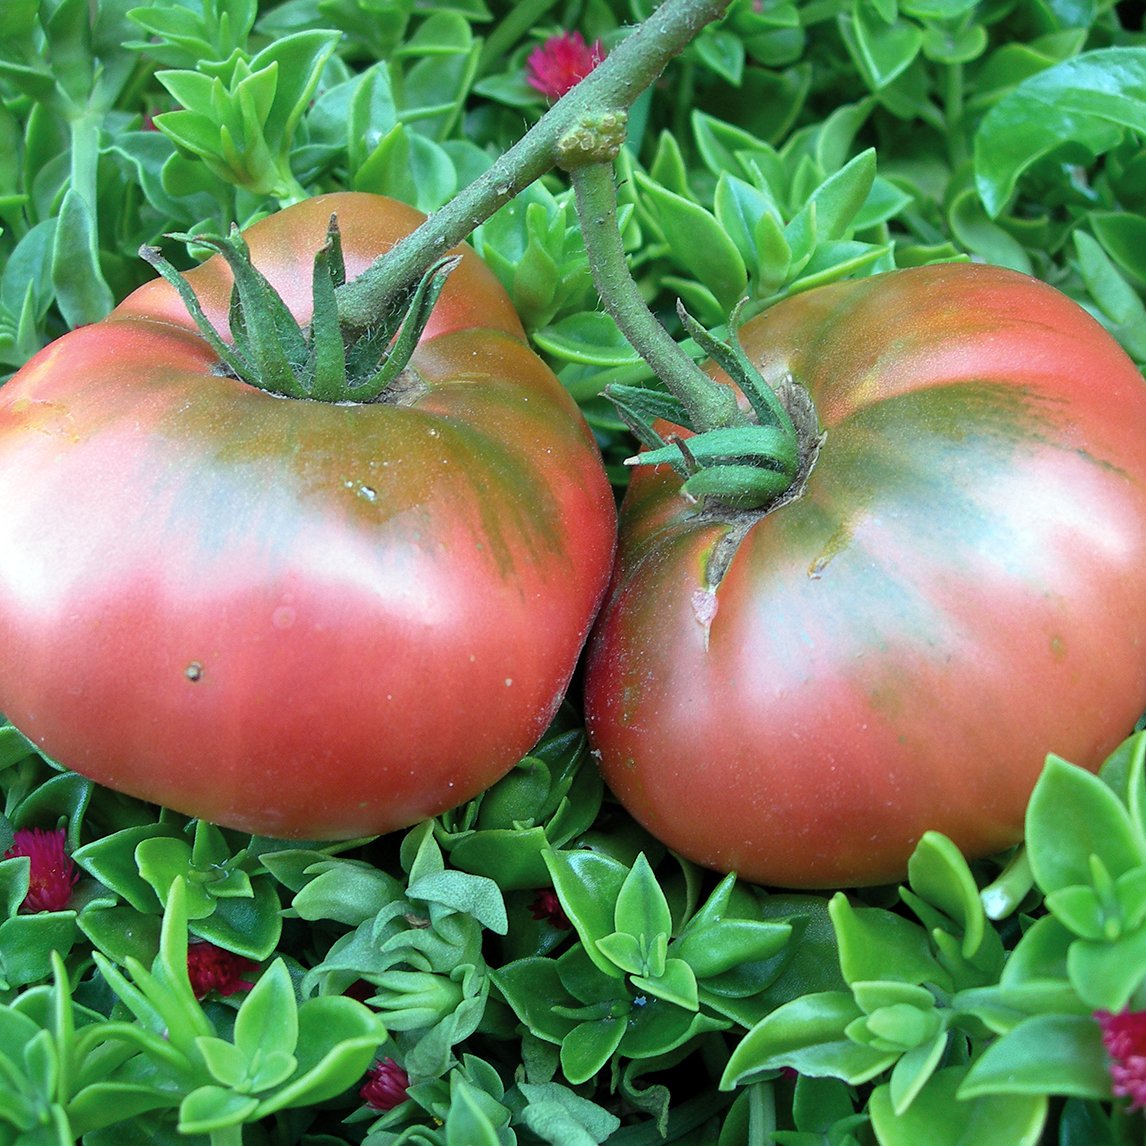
x,y
959,590
294,617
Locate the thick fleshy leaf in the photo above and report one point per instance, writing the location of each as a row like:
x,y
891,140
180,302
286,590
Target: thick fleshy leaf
x,y
939,874
1071,816
703,245
807,1034
877,944
940,1116
1091,101
1047,1054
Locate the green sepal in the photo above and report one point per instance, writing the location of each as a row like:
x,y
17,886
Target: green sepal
x,y
326,359
738,486
235,362
760,444
323,360
413,322
730,357
264,330
640,406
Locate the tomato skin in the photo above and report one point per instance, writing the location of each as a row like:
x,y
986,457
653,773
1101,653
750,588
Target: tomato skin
x,y
295,618
960,590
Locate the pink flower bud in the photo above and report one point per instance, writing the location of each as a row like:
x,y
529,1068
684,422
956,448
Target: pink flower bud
x,y
385,1086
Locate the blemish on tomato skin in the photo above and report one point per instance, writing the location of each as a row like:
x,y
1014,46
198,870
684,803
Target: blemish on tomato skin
x,y
193,672
1057,648
283,617
704,606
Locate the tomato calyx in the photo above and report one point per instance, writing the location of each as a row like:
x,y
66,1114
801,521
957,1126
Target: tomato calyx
x,y
323,360
736,458
757,461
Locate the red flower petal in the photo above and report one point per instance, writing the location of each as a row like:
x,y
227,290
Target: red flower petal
x,y
561,62
52,875
212,968
1124,1036
385,1086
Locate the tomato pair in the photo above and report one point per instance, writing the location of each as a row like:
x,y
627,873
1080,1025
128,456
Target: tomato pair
x,y
329,619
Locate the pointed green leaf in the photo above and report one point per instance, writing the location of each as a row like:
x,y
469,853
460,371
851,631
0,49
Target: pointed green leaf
x,y
587,884
876,944
1122,309
268,1016
590,337
675,984
211,1108
700,242
807,1034
588,1047
641,908
911,1073
938,872
840,197
1106,974
882,49
82,293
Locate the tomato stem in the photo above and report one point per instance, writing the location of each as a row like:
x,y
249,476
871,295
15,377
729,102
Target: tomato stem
x,y
742,459
612,86
708,404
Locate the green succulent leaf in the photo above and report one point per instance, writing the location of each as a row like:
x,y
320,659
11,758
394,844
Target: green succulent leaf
x,y
1072,816
1090,101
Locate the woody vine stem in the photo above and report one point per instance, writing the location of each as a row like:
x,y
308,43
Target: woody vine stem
x,y
612,86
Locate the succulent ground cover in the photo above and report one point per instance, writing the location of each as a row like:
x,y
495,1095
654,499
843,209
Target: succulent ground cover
x,y
532,966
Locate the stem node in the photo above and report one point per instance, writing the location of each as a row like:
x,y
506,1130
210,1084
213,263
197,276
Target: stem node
x,y
596,138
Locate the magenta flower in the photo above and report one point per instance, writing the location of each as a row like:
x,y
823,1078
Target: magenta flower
x,y
546,906
212,968
1124,1036
385,1086
562,61
52,875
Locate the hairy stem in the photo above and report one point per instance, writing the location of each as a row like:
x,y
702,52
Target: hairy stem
x,y
710,405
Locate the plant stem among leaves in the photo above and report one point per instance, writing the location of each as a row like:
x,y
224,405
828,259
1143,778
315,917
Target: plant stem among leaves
x,y
613,86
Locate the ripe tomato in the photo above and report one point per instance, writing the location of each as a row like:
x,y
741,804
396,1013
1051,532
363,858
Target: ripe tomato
x,y
292,617
960,589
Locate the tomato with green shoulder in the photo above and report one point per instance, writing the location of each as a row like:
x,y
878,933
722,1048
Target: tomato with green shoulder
x,y
297,617
955,588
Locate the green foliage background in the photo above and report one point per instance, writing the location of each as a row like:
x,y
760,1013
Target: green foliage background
x,y
790,145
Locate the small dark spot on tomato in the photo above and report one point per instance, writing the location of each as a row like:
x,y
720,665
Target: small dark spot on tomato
x,y
194,671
